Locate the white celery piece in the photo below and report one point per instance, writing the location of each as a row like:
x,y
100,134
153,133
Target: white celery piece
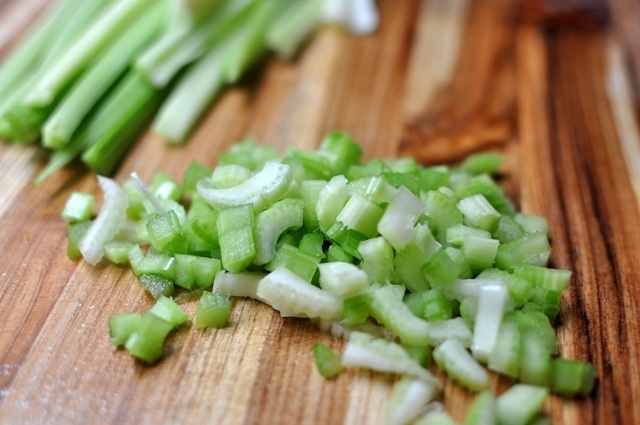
x,y
402,213
479,211
262,189
452,357
331,201
377,259
342,279
243,284
291,295
408,399
107,224
361,214
492,300
520,403
451,328
271,223
118,17
379,191
364,350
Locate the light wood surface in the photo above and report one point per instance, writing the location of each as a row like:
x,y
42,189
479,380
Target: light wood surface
x,y
556,89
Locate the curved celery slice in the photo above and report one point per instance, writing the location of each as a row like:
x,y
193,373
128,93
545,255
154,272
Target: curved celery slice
x,y
108,222
271,223
263,189
457,362
289,294
520,403
365,350
388,309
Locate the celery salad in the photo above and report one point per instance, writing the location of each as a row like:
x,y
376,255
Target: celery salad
x,y
411,264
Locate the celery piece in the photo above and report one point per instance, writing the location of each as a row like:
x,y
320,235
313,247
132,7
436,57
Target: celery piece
x,y
184,272
484,185
521,250
331,200
106,225
520,404
79,207
548,300
536,322
535,360
164,229
462,265
348,239
99,77
410,260
457,362
310,191
377,259
236,236
117,251
328,362
435,418
431,305
482,410
386,306
407,180
421,354
122,326
163,186
364,350
167,309
396,224
520,290
291,295
571,377
261,190
443,211
336,253
117,122
532,223
372,168
135,256
311,243
292,27
477,210
156,264
480,252
379,191
491,305
440,269
407,400
225,176
213,310
457,233
243,284
271,223
508,229
481,163
146,342
337,152
361,215
295,260
543,277
355,310
342,279
157,285
204,271
456,328
505,354
118,17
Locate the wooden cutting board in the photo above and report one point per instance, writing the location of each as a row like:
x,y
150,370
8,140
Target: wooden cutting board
x,y
554,85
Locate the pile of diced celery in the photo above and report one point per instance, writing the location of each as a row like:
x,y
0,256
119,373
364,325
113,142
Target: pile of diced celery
x,y
407,262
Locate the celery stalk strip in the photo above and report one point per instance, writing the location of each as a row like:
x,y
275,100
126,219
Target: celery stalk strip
x,y
77,104
92,43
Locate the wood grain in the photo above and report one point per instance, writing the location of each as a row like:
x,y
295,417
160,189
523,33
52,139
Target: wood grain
x,y
557,94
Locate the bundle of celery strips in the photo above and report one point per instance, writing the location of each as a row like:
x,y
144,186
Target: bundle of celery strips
x,y
408,263
91,75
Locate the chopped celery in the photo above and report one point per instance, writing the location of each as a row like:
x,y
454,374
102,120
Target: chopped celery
x,y
361,215
328,362
491,305
396,224
271,223
571,377
480,212
482,410
457,362
407,400
157,285
355,310
520,404
79,207
237,237
122,326
481,163
544,277
117,251
243,284
146,341
167,309
295,260
342,279
521,250
213,310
